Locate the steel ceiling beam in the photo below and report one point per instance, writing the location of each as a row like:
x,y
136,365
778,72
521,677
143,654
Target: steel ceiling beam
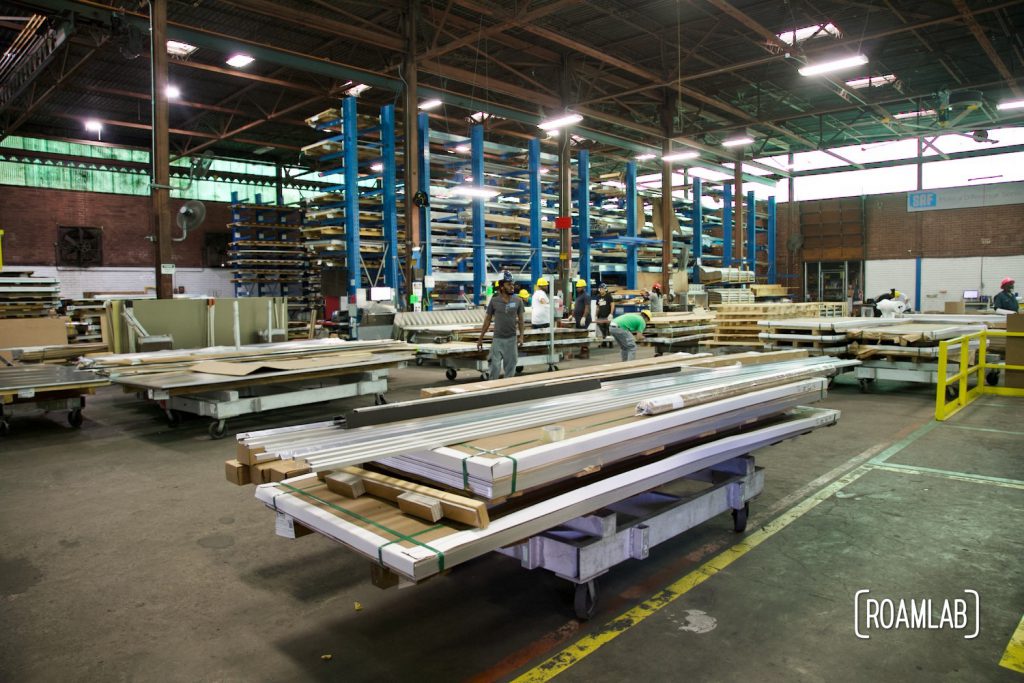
x,y
986,45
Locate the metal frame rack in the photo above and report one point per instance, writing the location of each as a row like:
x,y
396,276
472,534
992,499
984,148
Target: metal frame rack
x,y
268,258
752,233
336,223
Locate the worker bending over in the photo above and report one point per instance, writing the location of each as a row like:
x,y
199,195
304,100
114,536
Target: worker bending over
x,y
1005,301
540,311
627,330
506,309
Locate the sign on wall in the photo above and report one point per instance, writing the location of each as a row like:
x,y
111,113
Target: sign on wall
x,y
966,197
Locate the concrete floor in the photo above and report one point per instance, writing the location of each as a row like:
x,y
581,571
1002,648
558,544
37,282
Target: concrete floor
x,y
124,555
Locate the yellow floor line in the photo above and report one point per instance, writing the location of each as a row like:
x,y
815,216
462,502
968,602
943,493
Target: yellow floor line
x,y
947,474
589,644
1013,657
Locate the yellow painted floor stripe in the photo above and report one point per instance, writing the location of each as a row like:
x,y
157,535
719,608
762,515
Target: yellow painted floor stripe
x,y
947,474
1013,658
589,644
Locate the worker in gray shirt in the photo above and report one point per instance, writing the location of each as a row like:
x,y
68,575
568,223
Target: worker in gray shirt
x,y
506,309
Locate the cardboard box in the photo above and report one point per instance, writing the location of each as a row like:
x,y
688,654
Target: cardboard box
x,y
236,473
260,474
19,332
1014,379
285,469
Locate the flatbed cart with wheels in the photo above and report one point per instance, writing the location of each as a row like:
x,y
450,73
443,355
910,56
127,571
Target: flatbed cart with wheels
x,y
47,388
587,547
922,372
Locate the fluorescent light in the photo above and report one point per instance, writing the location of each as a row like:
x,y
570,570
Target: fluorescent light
x,y
173,92
239,60
264,149
646,157
1011,104
357,89
738,141
463,148
427,105
544,170
799,35
834,65
680,156
871,81
560,122
615,183
177,48
914,114
473,191
93,125
377,167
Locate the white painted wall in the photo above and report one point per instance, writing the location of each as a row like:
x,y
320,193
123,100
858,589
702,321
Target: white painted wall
x,y
942,279
214,282
882,275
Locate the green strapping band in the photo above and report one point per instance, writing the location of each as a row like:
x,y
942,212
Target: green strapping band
x,y
397,534
465,473
515,470
380,548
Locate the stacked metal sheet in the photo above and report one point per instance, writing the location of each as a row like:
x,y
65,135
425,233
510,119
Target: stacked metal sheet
x,y
25,296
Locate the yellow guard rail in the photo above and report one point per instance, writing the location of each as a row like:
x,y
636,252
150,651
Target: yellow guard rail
x,y
944,408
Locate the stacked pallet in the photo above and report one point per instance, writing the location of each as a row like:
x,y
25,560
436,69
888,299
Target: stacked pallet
x,y
763,291
709,275
668,331
819,336
905,340
86,316
25,296
738,323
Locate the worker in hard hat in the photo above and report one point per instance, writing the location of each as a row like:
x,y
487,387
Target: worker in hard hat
x,y
506,309
627,330
540,312
524,294
605,310
581,308
1006,301
657,299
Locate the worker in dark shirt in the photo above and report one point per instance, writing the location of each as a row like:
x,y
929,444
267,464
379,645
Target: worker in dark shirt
x,y
581,308
605,310
506,309
1005,299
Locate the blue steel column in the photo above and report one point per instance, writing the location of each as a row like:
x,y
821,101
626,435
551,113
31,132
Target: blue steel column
x,y
917,284
477,168
751,232
631,226
423,158
390,208
771,240
583,220
536,216
727,225
698,228
350,133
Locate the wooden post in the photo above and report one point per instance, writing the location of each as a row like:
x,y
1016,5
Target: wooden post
x,y
160,190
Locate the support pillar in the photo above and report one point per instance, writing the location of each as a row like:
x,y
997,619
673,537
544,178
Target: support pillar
x,y
698,228
536,215
350,141
425,256
390,207
751,217
160,179
737,209
564,209
583,221
412,152
631,226
727,225
476,139
772,276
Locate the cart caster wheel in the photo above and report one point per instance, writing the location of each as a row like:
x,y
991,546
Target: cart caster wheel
x,y
952,392
864,386
75,418
585,600
173,418
992,377
5,427
552,368
657,354
218,429
451,373
379,400
419,361
519,369
739,518
484,376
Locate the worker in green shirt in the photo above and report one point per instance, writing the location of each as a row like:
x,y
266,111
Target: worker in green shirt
x,y
1005,301
627,329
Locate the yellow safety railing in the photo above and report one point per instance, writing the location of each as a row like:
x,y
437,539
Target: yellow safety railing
x,y
949,401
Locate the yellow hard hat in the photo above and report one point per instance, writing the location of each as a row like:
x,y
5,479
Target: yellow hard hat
x,y
581,284
523,294
645,313
542,282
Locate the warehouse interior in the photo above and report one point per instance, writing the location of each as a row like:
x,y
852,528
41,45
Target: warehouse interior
x,y
510,341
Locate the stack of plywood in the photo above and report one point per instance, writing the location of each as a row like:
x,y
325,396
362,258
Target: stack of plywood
x,y
722,295
710,275
905,340
820,336
738,323
666,331
25,296
763,291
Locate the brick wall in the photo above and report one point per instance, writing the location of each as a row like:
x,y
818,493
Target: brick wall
x,y
893,233
29,218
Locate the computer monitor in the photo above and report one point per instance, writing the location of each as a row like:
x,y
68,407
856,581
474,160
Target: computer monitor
x,y
970,294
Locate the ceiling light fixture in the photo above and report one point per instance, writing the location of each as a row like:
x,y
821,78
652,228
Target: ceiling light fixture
x,y
567,119
680,156
738,141
914,114
646,157
474,191
93,125
377,167
173,92
176,48
833,65
357,89
239,60
1010,104
871,81
427,105
463,148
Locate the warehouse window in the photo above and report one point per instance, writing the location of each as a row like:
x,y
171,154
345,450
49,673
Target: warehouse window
x,y
79,247
854,183
975,171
